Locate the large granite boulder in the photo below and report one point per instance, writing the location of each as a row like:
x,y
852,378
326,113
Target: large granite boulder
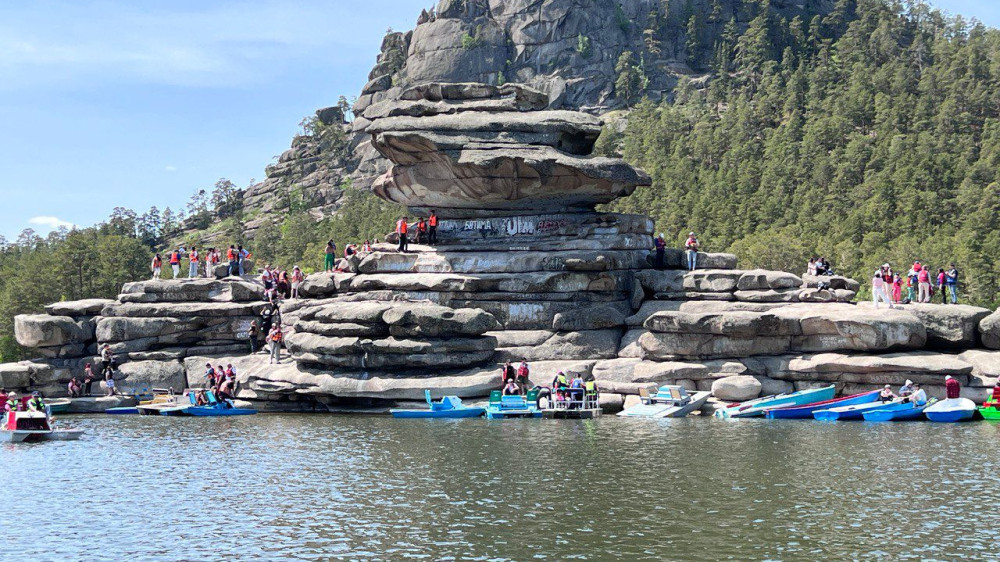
x,y
43,330
138,375
762,280
989,329
74,309
191,290
738,388
895,368
948,327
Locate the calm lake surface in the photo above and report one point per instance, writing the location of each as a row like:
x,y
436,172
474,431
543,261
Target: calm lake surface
x,y
363,488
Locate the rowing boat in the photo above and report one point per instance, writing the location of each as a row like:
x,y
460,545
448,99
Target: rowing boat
x,y
842,413
756,408
900,411
806,412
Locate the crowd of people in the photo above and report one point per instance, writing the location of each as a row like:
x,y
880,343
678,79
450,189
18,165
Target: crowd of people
x,y
918,285
220,381
201,264
565,389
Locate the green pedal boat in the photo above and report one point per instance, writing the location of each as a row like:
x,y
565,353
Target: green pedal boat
x,y
990,411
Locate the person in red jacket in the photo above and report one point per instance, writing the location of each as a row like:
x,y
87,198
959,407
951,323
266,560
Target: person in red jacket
x,y
401,231
952,387
432,232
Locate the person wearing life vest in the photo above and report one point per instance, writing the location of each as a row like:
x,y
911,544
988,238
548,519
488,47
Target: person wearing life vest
x,y
193,258
523,373
432,229
590,390
156,266
401,231
421,230
691,249
13,404
233,258
36,404
275,338
175,263
560,382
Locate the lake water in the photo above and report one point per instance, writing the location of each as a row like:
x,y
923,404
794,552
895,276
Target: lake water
x,y
364,488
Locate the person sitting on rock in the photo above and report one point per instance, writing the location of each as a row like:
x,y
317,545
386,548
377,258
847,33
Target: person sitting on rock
x,y
511,388
421,230
887,395
691,250
366,247
73,387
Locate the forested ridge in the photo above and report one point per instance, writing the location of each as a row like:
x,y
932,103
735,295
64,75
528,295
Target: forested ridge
x,y
865,135
869,135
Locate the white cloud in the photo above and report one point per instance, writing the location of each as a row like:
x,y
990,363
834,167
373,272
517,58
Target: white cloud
x,y
169,168
52,223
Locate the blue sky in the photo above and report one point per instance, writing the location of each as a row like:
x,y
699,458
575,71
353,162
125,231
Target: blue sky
x,y
140,103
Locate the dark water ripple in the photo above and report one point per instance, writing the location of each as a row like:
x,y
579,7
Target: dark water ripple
x,y
371,488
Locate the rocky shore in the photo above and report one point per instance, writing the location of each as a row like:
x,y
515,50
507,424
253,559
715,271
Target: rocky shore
x,y
525,268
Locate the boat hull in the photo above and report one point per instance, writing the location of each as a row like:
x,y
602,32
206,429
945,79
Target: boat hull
x,y
759,407
122,411
30,436
951,411
459,413
896,412
58,406
504,414
698,400
806,412
571,414
844,413
212,412
989,413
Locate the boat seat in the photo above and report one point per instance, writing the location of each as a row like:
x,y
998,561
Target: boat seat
x,y
193,397
495,396
532,395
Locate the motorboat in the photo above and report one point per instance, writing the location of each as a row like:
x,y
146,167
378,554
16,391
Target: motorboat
x,y
30,426
447,407
669,401
573,403
759,407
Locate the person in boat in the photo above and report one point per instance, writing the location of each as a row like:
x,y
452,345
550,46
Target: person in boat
x,y
887,395
576,389
590,391
511,389
200,398
952,387
225,390
36,404
919,397
13,404
906,389
522,375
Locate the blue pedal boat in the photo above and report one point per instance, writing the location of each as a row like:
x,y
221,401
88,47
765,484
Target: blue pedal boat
x,y
758,407
806,412
448,407
951,411
844,413
122,411
904,411
214,408
513,406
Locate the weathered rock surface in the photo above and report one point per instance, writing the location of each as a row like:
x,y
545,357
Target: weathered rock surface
x,y
948,327
148,375
989,329
74,309
736,388
42,330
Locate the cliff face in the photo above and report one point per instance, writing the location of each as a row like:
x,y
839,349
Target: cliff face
x,y
567,49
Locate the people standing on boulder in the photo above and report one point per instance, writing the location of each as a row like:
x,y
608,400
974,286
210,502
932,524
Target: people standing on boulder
x,y
811,267
951,282
941,279
691,250
267,279
88,379
897,288
175,263
366,247
297,279
275,338
508,374
432,228
329,255
156,266
878,290
109,380
107,359
401,228
421,231
243,254
233,258
911,282
193,258
211,260
660,245
924,285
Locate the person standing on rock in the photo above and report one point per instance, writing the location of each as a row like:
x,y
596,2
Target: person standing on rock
x,y
193,258
522,375
243,255
156,266
508,374
401,228
897,288
275,338
660,245
233,257
951,282
109,380
107,358
878,290
691,249
952,387
88,379
297,279
924,285
175,263
252,332
329,255
911,282
432,229
941,278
